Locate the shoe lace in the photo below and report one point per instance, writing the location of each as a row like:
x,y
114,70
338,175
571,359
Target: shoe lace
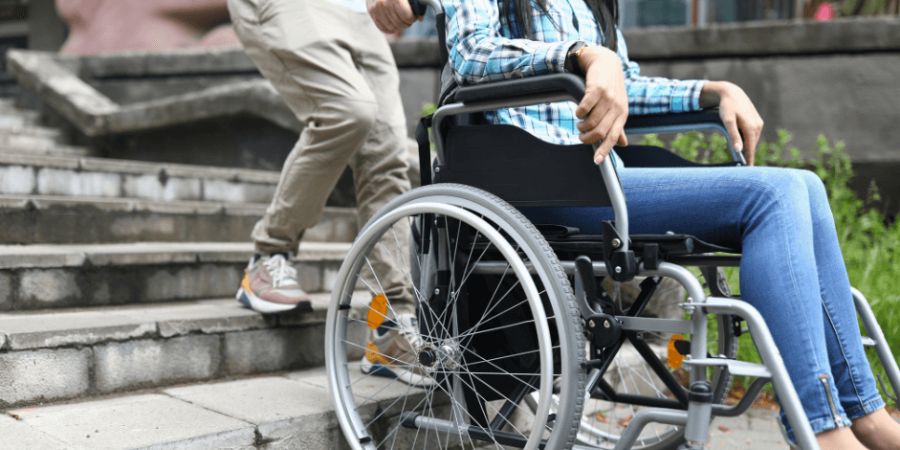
x,y
409,329
280,270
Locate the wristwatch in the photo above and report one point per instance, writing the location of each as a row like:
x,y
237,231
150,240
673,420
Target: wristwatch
x,y
571,64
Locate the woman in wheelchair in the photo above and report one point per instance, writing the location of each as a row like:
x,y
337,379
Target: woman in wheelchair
x,y
791,270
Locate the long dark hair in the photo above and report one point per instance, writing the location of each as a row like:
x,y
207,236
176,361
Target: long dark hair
x,y
606,13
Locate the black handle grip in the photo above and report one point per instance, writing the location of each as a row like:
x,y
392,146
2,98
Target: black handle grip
x,y
418,8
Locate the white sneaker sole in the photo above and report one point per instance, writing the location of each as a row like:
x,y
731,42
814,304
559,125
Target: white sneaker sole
x,y
261,306
405,376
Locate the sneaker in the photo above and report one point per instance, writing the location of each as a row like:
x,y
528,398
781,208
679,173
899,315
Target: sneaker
x,y
270,286
391,352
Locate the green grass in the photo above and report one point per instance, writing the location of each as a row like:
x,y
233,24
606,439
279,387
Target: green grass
x,y
870,241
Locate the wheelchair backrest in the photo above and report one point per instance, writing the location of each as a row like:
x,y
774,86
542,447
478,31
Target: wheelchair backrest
x,y
523,170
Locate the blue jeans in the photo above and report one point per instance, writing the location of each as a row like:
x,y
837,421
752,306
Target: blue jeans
x,y
791,269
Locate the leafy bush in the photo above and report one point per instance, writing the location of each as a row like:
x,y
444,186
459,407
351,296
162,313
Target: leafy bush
x,y
869,240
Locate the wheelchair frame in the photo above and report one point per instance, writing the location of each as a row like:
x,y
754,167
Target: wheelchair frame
x,y
621,265
698,416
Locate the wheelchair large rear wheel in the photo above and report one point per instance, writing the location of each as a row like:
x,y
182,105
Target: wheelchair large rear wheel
x,y
487,340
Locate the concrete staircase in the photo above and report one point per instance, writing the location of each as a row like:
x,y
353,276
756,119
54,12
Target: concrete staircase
x,y
116,282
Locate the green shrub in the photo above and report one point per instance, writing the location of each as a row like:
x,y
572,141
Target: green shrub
x,y
870,241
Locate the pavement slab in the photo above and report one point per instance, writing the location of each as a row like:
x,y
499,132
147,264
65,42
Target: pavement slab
x,y
280,408
17,434
139,421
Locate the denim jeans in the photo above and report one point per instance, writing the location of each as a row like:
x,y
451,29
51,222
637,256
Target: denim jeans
x,y
791,268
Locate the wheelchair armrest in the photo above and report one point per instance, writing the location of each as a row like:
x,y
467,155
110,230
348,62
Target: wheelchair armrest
x,y
688,119
552,87
707,119
565,86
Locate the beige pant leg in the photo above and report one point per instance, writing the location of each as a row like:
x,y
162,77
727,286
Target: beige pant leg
x,y
380,167
335,71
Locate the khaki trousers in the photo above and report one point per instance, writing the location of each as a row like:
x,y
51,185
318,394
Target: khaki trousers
x,y
336,72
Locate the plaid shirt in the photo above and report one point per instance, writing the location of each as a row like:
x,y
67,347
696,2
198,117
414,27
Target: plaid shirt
x,y
484,46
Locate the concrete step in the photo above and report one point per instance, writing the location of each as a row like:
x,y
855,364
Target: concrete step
x,y
51,356
37,138
41,149
15,117
290,410
35,219
57,276
111,178
10,127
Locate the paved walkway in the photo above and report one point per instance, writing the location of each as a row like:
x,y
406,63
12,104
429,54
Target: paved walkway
x,y
758,429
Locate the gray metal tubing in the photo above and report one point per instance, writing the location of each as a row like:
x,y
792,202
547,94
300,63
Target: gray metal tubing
x,y
696,431
617,198
645,417
441,426
673,326
873,330
746,401
610,179
735,155
771,357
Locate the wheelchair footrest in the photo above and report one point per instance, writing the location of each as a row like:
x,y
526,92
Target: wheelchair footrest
x,y
735,367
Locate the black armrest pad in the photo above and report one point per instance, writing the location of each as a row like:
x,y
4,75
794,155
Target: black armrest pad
x,y
707,116
562,83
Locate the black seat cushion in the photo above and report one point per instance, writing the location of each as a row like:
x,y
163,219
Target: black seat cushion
x,y
569,244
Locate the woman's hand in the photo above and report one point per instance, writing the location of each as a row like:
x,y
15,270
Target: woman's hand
x,y
737,113
604,108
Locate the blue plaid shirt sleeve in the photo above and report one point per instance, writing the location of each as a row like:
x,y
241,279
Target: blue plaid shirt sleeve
x,y
655,95
478,52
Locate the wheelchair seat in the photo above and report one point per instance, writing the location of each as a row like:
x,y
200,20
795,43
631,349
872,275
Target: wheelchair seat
x,y
569,242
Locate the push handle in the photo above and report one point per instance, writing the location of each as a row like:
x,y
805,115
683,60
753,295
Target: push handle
x,y
419,8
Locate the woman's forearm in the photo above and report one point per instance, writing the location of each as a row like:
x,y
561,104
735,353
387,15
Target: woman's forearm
x,y
712,93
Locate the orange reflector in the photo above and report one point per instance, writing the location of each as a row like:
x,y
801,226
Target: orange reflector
x,y
374,355
674,358
377,311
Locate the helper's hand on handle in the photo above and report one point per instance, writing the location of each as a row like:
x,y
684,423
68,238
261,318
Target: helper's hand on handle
x,y
391,16
604,108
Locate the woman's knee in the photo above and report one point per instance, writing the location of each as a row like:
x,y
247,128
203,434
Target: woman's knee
x,y
780,185
816,192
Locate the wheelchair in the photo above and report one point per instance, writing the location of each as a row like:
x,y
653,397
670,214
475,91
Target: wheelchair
x,y
521,328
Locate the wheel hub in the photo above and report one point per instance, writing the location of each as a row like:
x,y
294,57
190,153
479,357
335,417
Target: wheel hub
x,y
443,356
